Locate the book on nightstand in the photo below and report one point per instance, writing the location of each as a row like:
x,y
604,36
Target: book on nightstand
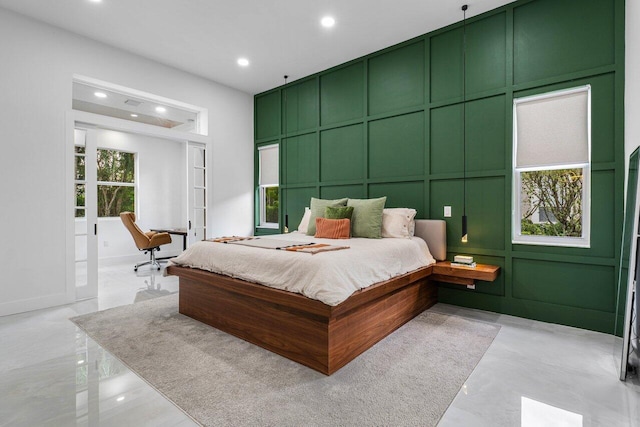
x,y
463,259
462,264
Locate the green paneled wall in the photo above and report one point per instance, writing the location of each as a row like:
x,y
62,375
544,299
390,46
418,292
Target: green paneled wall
x,y
301,164
390,124
267,116
396,141
546,44
339,191
396,79
302,107
342,94
348,142
401,194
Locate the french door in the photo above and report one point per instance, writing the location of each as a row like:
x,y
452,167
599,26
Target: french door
x,y
197,192
85,213
86,205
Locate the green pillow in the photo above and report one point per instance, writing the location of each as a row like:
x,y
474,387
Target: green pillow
x,y
338,212
366,220
317,208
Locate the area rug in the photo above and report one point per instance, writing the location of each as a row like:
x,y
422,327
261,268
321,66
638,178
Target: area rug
x,y
409,378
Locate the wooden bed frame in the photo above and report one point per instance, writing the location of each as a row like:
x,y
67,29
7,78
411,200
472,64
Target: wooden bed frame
x,y
304,330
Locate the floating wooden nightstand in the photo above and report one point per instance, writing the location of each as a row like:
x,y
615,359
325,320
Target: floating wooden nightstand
x,y
445,272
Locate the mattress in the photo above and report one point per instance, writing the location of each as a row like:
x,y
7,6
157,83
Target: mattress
x,y
330,277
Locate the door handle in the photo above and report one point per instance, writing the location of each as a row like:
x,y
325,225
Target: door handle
x,y
95,229
189,224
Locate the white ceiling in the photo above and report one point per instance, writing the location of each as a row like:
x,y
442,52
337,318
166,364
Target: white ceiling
x,y
115,104
206,37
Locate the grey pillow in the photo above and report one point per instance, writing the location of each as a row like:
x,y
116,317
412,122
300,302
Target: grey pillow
x,y
317,208
366,220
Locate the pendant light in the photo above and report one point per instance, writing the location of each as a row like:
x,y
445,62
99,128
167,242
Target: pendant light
x,y
464,124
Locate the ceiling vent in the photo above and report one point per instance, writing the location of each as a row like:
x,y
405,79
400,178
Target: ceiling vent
x,y
132,102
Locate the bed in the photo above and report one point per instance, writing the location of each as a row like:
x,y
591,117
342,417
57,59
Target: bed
x,y
306,330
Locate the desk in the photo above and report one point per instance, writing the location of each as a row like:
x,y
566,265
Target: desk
x,y
177,231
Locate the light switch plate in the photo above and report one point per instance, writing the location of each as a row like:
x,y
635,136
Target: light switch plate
x,y
447,211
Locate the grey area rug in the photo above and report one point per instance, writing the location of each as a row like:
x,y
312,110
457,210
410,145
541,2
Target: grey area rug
x,y
409,378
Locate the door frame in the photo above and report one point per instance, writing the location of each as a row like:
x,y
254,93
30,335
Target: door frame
x,y
193,224
74,118
90,216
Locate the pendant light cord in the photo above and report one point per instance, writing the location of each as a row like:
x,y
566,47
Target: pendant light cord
x,y
286,106
464,110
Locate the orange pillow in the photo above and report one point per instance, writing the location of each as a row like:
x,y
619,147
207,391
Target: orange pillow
x,y
333,228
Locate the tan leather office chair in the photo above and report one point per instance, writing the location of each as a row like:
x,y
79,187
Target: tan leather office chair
x,y
148,242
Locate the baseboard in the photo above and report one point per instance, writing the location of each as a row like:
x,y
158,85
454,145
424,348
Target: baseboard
x,y
31,304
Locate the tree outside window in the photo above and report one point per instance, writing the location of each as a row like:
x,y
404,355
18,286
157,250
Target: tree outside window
x,y
271,204
116,182
552,203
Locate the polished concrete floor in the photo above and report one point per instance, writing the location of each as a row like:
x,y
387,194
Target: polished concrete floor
x,y
534,374
541,374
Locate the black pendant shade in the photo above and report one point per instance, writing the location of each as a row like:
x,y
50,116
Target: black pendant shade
x,y
464,229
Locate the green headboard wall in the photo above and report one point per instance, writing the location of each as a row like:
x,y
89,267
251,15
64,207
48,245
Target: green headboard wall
x,y
390,124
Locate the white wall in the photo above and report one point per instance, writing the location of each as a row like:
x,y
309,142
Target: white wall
x,y
36,70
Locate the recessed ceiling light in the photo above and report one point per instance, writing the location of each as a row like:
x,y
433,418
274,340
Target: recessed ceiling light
x,y
161,109
100,94
95,1
243,62
120,399
328,22
134,115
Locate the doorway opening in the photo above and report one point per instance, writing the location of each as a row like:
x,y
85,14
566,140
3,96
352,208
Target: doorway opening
x,y
120,165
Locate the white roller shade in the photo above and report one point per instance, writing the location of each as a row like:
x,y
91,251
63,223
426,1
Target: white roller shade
x,y
553,129
268,165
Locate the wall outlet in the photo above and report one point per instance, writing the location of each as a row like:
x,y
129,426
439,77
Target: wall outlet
x,y
447,211
471,286
105,244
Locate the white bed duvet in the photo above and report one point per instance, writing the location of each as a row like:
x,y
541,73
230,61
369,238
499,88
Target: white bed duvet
x,y
330,277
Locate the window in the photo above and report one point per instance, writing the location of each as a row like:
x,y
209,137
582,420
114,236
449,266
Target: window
x,y
268,183
116,182
551,168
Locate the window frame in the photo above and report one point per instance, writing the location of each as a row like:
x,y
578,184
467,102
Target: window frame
x,y
262,190
133,184
263,207
516,220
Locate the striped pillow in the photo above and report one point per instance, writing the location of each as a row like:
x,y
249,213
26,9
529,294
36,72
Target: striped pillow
x,y
333,228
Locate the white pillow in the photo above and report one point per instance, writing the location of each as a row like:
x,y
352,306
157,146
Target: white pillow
x,y
304,223
398,222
